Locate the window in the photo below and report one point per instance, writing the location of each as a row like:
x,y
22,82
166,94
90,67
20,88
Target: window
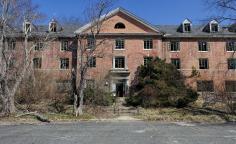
x,y
119,62
203,63
232,63
120,44
11,45
205,86
53,27
91,43
231,46
64,46
214,27
37,63
187,27
64,63
92,62
202,46
63,86
230,86
147,60
174,46
176,62
119,26
148,44
38,46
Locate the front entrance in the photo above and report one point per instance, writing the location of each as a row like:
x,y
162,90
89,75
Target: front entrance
x,y
120,89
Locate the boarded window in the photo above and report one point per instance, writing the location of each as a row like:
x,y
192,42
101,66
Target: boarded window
x,y
205,86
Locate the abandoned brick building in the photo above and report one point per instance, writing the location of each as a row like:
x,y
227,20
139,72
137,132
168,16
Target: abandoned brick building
x,y
130,41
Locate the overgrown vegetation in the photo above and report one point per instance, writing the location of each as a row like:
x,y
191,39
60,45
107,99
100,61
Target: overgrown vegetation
x,y
159,84
97,97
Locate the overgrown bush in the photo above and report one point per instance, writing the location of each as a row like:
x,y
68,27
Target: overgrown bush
x,y
159,84
97,97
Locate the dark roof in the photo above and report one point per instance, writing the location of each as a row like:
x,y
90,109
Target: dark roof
x,y
171,31
66,31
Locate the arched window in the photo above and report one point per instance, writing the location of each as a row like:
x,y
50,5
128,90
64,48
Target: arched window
x,y
119,26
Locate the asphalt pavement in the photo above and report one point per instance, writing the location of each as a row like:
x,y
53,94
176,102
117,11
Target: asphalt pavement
x,y
118,132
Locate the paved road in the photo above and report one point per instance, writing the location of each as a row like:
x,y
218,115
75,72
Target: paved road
x,y
118,133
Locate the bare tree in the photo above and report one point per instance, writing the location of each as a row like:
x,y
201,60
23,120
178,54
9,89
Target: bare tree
x,y
226,9
13,13
87,46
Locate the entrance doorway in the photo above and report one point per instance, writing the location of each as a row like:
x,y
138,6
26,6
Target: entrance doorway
x,y
120,89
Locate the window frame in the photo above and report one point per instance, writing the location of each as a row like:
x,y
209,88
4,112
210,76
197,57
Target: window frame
x,y
38,46
119,44
148,44
63,42
213,26
202,62
189,28
37,65
146,60
201,48
176,62
230,46
231,61
91,43
92,63
115,60
175,43
66,65
119,25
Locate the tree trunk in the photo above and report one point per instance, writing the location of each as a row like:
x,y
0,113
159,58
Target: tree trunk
x,y
8,105
79,110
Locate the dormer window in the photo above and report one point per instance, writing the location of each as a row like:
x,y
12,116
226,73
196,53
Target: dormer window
x,y
119,26
27,27
214,28
53,26
186,26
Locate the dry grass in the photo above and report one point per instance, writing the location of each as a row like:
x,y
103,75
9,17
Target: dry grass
x,y
186,115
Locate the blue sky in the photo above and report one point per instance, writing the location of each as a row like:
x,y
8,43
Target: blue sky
x,y
153,11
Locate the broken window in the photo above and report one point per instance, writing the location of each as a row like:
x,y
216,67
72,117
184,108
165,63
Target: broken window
x,y
53,27
203,63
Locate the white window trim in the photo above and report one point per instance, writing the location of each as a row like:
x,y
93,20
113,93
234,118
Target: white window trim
x,y
114,63
61,45
115,44
60,64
